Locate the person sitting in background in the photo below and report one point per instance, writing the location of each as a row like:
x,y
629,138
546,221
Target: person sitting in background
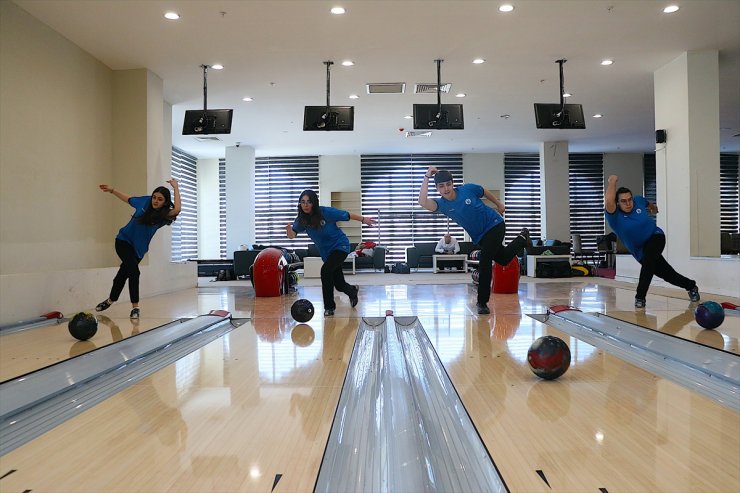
x,y
447,245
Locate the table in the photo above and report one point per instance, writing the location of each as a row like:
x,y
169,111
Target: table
x,y
457,256
533,259
312,266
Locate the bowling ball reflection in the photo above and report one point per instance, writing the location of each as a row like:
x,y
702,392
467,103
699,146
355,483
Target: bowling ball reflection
x,y
81,347
549,400
302,335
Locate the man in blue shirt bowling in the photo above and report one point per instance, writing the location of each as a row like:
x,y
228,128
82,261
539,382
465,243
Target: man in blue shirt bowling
x,y
629,217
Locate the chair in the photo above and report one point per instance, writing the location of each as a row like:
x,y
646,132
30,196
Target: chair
x,y
585,256
607,245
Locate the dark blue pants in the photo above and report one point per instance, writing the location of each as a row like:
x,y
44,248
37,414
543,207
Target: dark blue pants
x,y
493,250
653,263
332,277
129,269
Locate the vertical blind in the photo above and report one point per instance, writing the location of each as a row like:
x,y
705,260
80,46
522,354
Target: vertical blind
x,y
390,192
279,182
185,228
650,188
729,193
586,191
222,207
522,194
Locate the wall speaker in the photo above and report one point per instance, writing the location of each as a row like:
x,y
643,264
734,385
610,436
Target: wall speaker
x,y
660,136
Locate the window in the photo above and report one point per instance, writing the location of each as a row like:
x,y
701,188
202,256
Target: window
x,y
586,190
222,207
390,192
279,182
649,181
185,228
729,195
522,194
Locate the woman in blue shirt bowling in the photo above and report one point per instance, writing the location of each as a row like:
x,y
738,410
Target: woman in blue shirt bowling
x,y
320,223
628,217
151,212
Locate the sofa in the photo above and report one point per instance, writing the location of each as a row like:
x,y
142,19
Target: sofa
x,y
420,255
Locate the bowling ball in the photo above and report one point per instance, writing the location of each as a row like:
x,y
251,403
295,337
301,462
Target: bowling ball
x,y
709,314
83,326
476,276
302,311
548,357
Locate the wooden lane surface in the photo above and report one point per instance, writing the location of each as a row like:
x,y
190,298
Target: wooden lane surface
x,y
229,417
235,413
604,424
29,350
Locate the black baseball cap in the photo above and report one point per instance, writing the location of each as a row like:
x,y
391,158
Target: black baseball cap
x,y
442,176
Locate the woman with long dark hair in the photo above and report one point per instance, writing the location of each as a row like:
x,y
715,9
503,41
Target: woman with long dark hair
x,y
151,212
320,223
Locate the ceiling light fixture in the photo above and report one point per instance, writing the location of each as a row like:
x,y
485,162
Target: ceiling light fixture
x,y
173,16
338,10
460,95
354,96
607,62
567,94
598,115
507,7
408,117
217,66
247,99
348,63
478,61
671,9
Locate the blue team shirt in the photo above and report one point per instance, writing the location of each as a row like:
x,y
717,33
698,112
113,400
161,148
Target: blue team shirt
x,y
138,235
327,237
469,211
635,228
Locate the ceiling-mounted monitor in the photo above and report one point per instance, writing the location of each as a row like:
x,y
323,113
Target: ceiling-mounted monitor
x,y
553,115
336,118
429,117
206,122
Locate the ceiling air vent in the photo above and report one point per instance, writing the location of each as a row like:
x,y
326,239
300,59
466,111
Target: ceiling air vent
x,y
207,139
386,87
426,133
431,88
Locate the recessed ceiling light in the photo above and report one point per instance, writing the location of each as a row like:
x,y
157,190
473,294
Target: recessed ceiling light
x,y
507,7
598,115
478,61
460,95
671,9
354,96
173,16
567,94
348,63
338,10
607,62
408,117
217,66
247,99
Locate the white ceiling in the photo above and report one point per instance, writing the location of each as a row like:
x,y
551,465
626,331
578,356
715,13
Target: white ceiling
x,y
273,52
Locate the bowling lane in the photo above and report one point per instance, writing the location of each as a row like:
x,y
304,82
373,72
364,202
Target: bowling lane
x,y
29,350
604,424
229,417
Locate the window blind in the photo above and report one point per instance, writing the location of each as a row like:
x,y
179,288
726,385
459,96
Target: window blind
x,y
279,182
522,194
185,228
586,191
390,192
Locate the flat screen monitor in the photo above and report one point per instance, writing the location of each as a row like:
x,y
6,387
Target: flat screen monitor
x,y
336,118
205,122
550,116
429,117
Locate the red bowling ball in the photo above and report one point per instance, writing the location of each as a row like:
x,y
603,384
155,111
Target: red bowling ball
x,y
549,357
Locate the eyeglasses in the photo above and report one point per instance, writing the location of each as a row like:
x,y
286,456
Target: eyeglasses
x,y
305,202
625,201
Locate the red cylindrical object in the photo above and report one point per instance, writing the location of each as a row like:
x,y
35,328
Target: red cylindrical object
x,y
505,278
269,271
